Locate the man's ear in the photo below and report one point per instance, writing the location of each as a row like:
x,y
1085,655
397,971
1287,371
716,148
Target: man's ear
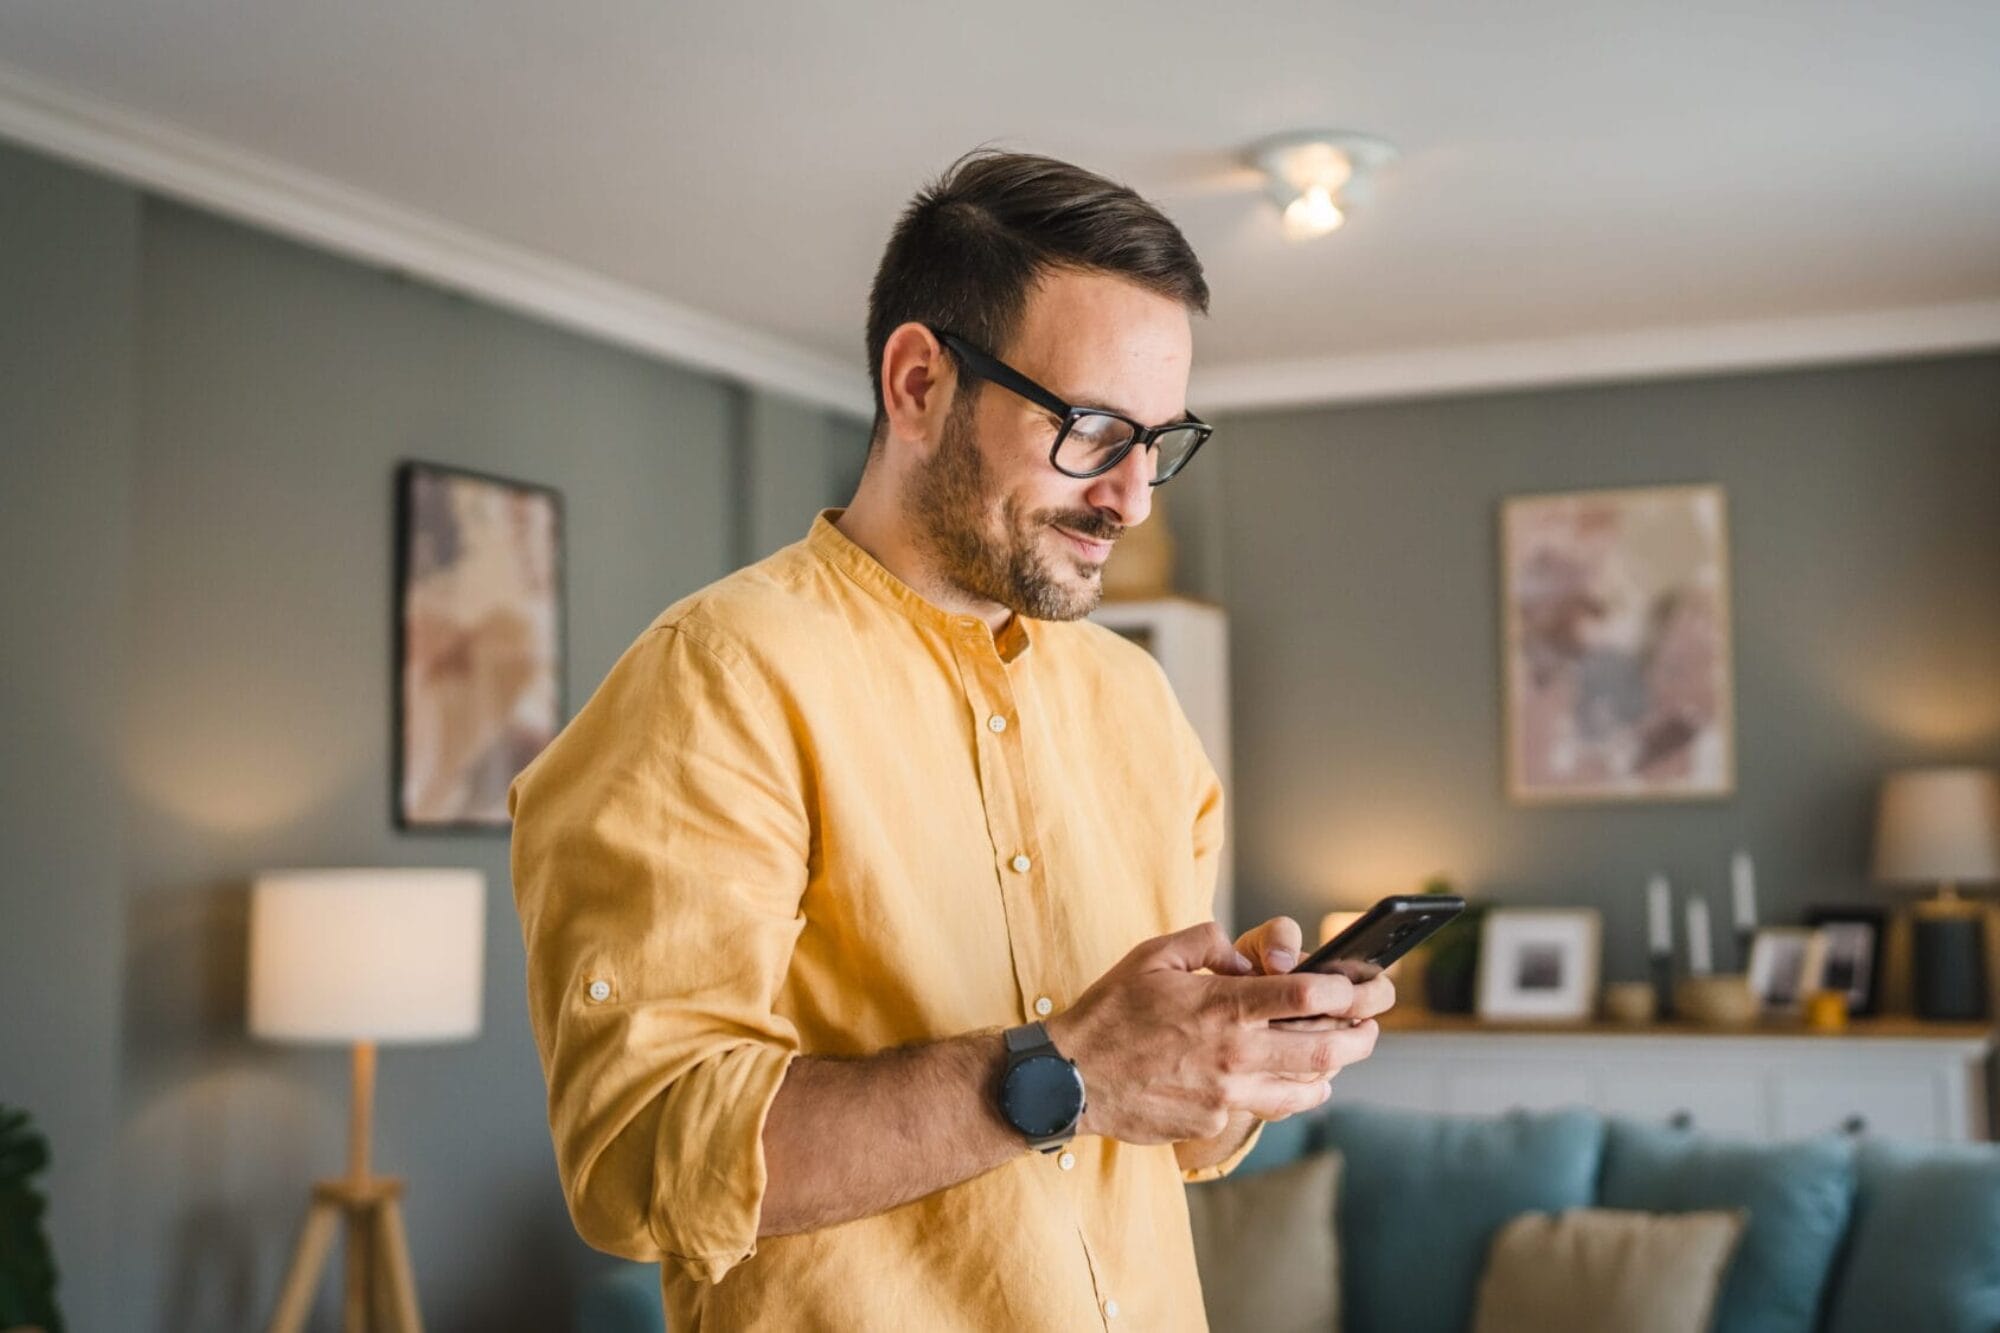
x,y
919,381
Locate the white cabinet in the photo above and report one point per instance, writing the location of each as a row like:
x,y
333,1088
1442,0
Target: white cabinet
x,y
1190,640
1897,1080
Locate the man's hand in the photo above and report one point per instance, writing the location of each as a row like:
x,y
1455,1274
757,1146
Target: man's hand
x,y
1169,1054
1275,949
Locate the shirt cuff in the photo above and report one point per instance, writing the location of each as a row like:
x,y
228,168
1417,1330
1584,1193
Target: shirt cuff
x,y
712,1178
1217,1170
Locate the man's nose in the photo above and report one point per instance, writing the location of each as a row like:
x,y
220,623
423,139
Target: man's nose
x,y
1126,491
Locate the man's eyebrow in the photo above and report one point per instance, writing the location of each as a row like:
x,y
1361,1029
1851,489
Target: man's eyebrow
x,y
1186,418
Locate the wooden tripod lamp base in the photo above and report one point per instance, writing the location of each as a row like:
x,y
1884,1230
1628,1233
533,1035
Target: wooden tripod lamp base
x,y
381,1290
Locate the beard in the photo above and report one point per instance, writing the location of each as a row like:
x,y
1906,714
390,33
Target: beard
x,y
947,502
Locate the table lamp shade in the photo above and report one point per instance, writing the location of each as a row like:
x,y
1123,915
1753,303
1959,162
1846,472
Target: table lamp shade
x,y
367,955
1939,826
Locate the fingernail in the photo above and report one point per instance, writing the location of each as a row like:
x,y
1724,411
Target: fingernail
x,y
1281,959
1243,961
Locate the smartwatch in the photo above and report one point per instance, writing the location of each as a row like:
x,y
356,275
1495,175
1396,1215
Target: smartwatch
x,y
1041,1093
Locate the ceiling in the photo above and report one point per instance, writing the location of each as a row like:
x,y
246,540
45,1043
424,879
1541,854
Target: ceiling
x,y
1586,189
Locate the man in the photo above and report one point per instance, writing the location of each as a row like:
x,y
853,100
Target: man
x,y
867,902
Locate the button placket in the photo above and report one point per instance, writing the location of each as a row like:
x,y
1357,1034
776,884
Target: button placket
x,y
1009,820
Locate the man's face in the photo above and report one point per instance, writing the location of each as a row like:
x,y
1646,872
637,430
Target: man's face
x,y
1003,524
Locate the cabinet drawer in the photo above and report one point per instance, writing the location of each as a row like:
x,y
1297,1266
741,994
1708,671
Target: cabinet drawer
x,y
1900,1108
1729,1105
1525,1086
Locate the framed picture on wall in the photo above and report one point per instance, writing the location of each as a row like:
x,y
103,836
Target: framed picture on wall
x,y
1615,645
479,642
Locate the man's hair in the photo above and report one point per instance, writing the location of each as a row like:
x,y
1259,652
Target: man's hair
x,y
972,243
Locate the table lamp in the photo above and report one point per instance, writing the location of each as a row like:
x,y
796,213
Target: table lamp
x,y
357,958
1942,826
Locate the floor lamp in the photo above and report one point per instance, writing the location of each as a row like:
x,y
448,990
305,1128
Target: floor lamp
x,y
357,958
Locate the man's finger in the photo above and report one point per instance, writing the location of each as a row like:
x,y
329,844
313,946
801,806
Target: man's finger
x,y
1288,1052
1198,946
1294,995
1277,1098
1373,997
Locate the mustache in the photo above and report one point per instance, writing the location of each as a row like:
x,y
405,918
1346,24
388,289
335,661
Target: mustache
x,y
1091,525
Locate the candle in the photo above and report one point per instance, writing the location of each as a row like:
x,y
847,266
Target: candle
x,y
1743,884
1659,917
1700,961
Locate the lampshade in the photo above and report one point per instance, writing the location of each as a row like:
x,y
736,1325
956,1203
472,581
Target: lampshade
x,y
367,955
1938,826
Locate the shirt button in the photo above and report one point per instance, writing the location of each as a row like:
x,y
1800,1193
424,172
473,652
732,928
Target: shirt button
x,y
600,991
1111,1309
1044,1005
1021,863
1067,1161
996,723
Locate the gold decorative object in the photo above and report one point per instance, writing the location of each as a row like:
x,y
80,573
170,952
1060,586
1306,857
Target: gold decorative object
x,y
1826,1011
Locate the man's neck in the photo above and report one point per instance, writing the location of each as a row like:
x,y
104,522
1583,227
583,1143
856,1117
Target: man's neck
x,y
873,525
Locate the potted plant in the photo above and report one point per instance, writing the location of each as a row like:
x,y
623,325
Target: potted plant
x,y
27,1266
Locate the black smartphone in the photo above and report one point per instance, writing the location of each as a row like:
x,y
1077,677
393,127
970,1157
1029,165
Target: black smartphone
x,y
1385,932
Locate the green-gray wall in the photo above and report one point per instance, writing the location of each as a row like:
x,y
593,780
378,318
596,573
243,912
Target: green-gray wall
x,y
199,427
198,430
1356,550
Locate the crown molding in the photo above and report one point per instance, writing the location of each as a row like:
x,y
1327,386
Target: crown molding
x,y
305,207
204,172
1639,354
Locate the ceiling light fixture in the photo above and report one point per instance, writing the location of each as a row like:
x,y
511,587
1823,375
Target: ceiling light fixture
x,y
1318,176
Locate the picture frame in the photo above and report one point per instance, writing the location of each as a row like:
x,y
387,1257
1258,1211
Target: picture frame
x,y
1539,964
1617,660
1786,962
1853,957
479,676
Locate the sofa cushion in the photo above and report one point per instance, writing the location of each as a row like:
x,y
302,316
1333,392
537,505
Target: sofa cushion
x,y
1924,1251
1798,1195
1421,1197
1264,1245
1600,1268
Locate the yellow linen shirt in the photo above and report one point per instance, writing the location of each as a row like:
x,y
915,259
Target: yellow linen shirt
x,y
810,812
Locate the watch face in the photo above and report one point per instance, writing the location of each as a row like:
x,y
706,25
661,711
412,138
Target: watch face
x,y
1043,1095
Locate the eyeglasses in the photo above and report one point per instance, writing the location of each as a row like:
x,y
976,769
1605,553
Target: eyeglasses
x,y
1090,441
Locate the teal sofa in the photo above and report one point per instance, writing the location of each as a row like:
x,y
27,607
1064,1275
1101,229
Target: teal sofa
x,y
1844,1236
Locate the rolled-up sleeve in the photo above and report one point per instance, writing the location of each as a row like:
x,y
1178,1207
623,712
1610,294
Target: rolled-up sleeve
x,y
660,855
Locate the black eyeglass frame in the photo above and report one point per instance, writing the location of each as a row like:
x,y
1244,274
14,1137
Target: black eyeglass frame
x,y
999,372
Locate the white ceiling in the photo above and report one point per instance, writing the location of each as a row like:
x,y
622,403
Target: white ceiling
x,y
1642,184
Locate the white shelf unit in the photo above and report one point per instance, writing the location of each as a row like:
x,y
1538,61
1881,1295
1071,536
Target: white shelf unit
x,y
1190,640
1755,1085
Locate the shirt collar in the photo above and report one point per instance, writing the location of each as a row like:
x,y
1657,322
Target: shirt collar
x,y
832,545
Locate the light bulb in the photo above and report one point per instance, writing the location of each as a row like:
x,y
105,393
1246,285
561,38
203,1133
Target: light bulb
x,y
1313,213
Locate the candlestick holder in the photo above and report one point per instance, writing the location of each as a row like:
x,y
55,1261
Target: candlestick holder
x,y
1660,969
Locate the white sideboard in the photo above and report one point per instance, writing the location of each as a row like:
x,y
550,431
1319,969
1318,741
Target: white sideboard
x,y
1895,1079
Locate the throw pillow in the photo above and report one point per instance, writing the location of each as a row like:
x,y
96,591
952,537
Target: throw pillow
x,y
1588,1269
1421,1197
1265,1249
1925,1249
1799,1197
